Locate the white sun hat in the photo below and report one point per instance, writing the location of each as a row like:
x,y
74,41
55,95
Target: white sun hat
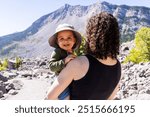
x,y
53,39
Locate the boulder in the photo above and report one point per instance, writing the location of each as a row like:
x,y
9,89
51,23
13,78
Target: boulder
x,y
2,78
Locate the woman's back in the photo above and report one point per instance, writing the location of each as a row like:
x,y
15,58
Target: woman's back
x,y
98,83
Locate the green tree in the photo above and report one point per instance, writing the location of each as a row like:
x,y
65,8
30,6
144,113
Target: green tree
x,y
82,48
141,51
5,63
18,62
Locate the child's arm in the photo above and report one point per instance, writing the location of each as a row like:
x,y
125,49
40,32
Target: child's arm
x,y
69,58
56,64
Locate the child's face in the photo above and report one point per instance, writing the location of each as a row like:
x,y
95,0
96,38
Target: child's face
x,y
66,40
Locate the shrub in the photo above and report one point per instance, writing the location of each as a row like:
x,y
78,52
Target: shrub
x,y
141,51
3,65
82,48
18,62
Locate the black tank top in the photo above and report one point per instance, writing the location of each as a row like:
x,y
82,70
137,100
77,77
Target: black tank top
x,y
98,83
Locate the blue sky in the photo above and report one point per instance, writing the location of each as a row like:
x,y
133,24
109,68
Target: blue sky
x,y
17,15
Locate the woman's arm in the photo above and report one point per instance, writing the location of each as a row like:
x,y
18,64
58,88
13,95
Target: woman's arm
x,y
64,79
57,88
74,70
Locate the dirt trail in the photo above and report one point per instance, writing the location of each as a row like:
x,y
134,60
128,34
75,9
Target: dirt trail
x,y
34,89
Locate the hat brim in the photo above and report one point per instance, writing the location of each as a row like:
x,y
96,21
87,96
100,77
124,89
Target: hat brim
x,y
53,39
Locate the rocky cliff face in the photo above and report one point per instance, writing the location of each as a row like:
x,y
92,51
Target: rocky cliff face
x,y
34,40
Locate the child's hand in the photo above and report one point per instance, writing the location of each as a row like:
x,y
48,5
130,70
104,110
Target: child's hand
x,y
69,58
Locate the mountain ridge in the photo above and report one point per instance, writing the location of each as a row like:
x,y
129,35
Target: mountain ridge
x,y
34,40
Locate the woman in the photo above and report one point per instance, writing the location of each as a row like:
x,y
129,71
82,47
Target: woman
x,y
96,75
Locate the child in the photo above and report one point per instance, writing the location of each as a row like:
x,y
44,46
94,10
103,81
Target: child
x,y
65,41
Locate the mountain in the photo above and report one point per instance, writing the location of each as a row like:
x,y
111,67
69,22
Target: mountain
x,y
33,41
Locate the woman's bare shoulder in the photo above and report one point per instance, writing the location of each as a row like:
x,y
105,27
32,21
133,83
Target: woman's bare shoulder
x,y
79,66
79,61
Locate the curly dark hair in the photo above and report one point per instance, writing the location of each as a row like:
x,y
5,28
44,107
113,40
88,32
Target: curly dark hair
x,y
102,33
